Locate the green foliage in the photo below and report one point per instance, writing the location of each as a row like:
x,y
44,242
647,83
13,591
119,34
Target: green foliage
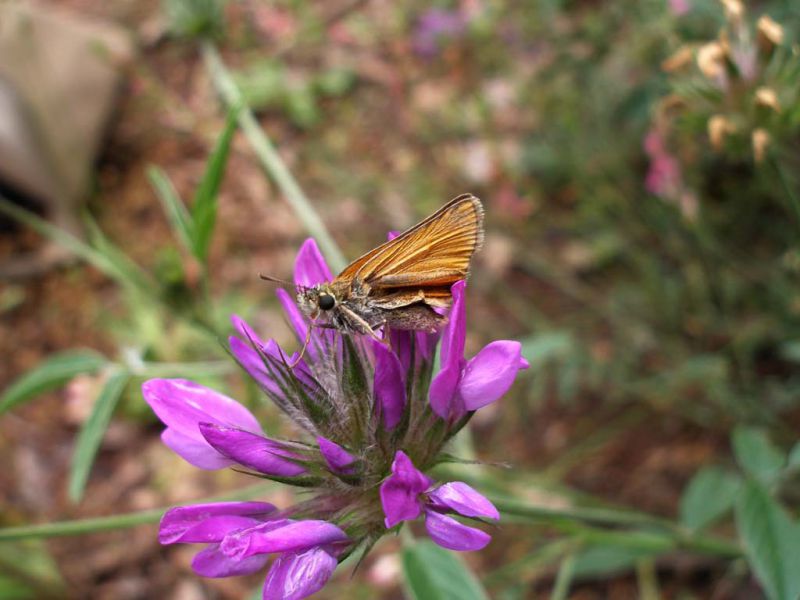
x,y
195,18
50,374
433,573
757,455
709,496
771,540
93,430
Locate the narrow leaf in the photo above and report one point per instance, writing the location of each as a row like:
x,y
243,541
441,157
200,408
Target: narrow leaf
x,y
179,218
49,374
93,431
710,494
756,454
771,542
433,573
204,207
61,237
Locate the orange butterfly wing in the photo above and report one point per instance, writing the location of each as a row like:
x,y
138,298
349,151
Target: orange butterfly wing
x,y
435,252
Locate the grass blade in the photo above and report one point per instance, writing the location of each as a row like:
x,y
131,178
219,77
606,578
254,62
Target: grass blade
x,y
179,218
49,374
204,207
61,237
92,432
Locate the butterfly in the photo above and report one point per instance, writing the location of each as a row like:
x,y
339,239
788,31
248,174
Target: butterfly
x,y
400,283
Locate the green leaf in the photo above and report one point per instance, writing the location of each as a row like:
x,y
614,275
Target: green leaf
x,y
710,494
179,218
93,431
757,455
204,207
433,573
49,374
602,560
127,273
771,542
28,571
794,456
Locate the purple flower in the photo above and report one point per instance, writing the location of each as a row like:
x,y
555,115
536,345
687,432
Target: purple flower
x,y
212,431
461,385
432,27
241,536
357,401
406,494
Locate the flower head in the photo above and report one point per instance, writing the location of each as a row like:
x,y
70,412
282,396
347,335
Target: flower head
x,y
374,420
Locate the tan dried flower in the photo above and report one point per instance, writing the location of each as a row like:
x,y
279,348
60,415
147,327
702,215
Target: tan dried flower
x,y
770,33
718,128
711,60
678,60
761,140
768,98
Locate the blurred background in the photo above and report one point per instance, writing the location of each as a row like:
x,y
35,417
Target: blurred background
x,y
638,162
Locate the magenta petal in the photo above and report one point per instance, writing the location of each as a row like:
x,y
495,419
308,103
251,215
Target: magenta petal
x,y
251,450
449,533
206,522
285,536
388,385
339,460
252,362
211,562
489,374
243,328
463,499
310,267
197,453
182,404
295,576
296,318
442,391
455,332
400,491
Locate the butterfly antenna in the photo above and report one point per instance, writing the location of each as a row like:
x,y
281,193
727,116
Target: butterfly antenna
x,y
275,280
303,349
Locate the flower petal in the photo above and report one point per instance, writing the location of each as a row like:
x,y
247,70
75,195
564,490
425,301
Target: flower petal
x,y
182,404
452,349
197,453
463,499
450,534
211,562
201,523
400,491
310,267
293,314
283,536
251,450
339,460
490,373
295,576
388,385
443,391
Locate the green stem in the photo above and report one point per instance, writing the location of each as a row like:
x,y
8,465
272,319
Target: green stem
x,y
794,202
270,159
92,525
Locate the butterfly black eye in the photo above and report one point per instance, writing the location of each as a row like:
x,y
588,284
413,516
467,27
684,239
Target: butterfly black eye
x,y
326,301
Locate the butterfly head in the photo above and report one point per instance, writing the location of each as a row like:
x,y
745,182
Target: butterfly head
x,y
317,300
